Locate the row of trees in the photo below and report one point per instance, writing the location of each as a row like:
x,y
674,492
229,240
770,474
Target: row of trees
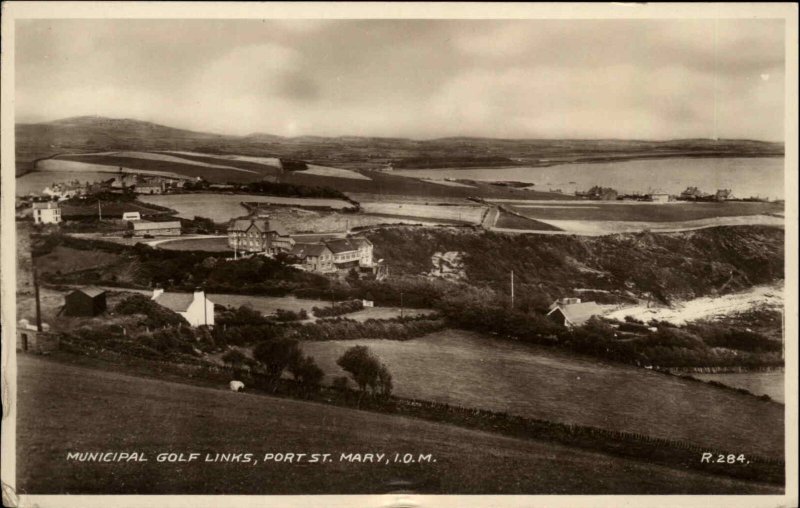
x,y
274,357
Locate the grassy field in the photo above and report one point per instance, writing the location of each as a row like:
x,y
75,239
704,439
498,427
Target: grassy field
x,y
476,371
223,207
386,313
267,304
511,221
204,244
189,168
767,383
64,408
672,212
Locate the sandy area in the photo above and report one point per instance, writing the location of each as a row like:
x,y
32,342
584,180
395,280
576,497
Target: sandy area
x,y
706,307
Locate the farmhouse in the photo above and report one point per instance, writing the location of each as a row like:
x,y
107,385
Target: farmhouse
x,y
660,197
723,195
85,302
142,228
571,312
316,257
351,253
261,234
47,212
64,191
196,308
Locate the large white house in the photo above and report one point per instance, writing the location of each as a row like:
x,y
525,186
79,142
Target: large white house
x,y
195,307
47,212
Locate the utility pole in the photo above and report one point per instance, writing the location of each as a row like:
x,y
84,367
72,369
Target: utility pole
x,y
512,289
401,304
99,211
38,305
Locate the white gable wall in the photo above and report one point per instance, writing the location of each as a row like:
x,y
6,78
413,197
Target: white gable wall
x,y
195,314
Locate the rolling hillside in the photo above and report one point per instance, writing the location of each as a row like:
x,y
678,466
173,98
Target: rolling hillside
x,y
65,408
92,133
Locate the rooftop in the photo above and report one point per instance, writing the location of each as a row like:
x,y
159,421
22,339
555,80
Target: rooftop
x,y
156,225
177,302
578,313
263,225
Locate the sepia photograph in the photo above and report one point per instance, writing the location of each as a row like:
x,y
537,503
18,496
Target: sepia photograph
x,y
399,252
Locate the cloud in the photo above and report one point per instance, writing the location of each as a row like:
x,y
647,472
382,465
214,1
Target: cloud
x,y
413,78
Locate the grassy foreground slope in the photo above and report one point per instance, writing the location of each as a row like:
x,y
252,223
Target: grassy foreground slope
x,y
64,408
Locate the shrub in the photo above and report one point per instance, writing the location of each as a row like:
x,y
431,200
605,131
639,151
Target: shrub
x,y
156,316
338,309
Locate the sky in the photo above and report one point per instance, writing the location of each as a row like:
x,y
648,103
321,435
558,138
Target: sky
x,y
420,79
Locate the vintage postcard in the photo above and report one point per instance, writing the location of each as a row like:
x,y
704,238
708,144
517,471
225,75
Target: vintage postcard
x,y
406,255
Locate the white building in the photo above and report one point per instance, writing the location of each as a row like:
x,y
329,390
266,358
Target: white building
x,y
195,307
46,213
131,216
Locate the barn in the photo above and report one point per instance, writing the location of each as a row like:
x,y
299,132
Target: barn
x,y
85,302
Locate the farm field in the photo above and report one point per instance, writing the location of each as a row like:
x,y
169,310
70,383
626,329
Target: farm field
x,y
599,227
161,164
472,370
223,207
507,220
759,383
386,313
302,220
671,212
57,400
266,161
313,169
472,214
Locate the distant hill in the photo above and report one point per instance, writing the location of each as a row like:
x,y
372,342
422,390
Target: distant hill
x,y
95,133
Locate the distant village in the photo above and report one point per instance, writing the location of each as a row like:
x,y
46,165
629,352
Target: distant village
x,y
691,194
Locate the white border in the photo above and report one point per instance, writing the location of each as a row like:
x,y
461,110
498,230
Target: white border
x,y
379,10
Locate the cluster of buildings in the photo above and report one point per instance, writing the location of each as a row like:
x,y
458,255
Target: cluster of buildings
x,y
145,184
194,307
695,194
263,235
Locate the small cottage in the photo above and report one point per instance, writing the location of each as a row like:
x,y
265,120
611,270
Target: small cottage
x,y
195,307
572,312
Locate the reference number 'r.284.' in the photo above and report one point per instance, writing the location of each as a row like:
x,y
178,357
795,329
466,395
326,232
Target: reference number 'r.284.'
x,y
720,458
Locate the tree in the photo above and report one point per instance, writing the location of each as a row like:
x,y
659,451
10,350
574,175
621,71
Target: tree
x,y
275,356
384,381
306,371
362,366
366,370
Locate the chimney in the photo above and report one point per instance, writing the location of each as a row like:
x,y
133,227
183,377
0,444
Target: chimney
x,y
157,292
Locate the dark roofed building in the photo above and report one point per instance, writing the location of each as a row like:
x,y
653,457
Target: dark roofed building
x,y
142,227
258,234
314,256
351,252
85,302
